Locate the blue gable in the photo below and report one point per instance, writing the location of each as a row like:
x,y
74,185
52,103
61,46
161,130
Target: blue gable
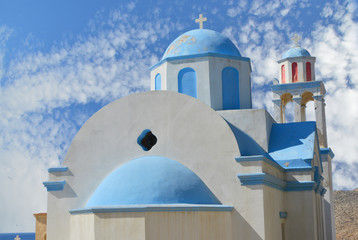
x,y
12,236
292,144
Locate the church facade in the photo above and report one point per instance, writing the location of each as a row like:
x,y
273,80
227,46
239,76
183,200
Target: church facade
x,y
191,159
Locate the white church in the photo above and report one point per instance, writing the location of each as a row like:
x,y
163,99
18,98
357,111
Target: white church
x,y
191,159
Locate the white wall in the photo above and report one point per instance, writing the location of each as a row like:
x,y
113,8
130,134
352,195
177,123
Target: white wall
x,y
188,131
209,78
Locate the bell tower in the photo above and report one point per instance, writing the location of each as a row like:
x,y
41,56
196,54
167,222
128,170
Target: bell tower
x,y
298,84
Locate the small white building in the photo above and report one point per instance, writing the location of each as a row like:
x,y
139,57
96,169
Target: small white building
x,y
192,160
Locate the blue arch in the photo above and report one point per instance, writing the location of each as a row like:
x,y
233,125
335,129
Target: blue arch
x,y
158,82
187,82
230,88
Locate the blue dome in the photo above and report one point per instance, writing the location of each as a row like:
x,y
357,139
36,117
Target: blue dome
x,y
151,180
200,41
296,52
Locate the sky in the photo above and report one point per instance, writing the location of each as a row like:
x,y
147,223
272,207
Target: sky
x,y
61,61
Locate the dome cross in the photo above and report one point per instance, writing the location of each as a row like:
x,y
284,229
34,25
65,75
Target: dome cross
x,y
295,39
201,20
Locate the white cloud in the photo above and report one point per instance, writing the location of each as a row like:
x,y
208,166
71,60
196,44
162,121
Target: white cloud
x,y
336,49
334,41
37,123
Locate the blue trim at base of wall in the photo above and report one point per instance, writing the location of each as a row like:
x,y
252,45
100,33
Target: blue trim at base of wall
x,y
57,169
54,185
155,208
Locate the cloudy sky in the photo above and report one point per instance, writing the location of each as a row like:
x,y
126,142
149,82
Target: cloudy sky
x,y
61,61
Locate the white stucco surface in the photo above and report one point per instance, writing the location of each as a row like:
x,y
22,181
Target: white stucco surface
x,y
109,139
152,226
209,78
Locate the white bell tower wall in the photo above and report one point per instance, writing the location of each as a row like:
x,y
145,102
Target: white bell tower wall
x,y
208,71
285,69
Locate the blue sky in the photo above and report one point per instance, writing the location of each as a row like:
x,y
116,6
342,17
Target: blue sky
x,y
61,61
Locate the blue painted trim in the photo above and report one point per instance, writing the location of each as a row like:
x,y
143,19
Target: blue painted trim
x,y
261,179
22,236
54,185
297,85
255,158
156,208
271,181
318,97
218,55
328,151
323,192
57,169
297,169
300,186
283,214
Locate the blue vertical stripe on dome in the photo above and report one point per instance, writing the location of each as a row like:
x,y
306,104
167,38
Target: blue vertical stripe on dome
x,y
230,88
158,82
187,82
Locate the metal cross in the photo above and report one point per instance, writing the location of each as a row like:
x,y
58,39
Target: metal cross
x,y
295,39
200,20
17,238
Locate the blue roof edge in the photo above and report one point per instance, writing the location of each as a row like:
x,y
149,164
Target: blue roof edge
x,y
155,208
22,235
327,151
284,59
274,163
168,59
57,169
54,185
296,85
275,182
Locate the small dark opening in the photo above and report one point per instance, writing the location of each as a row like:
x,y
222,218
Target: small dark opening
x,y
147,140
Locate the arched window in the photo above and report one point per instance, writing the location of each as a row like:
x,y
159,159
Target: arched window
x,y
294,72
187,82
308,72
287,108
158,82
283,80
230,88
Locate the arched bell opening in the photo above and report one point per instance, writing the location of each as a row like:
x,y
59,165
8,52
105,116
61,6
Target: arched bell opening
x,y
286,107
307,107
310,111
306,97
